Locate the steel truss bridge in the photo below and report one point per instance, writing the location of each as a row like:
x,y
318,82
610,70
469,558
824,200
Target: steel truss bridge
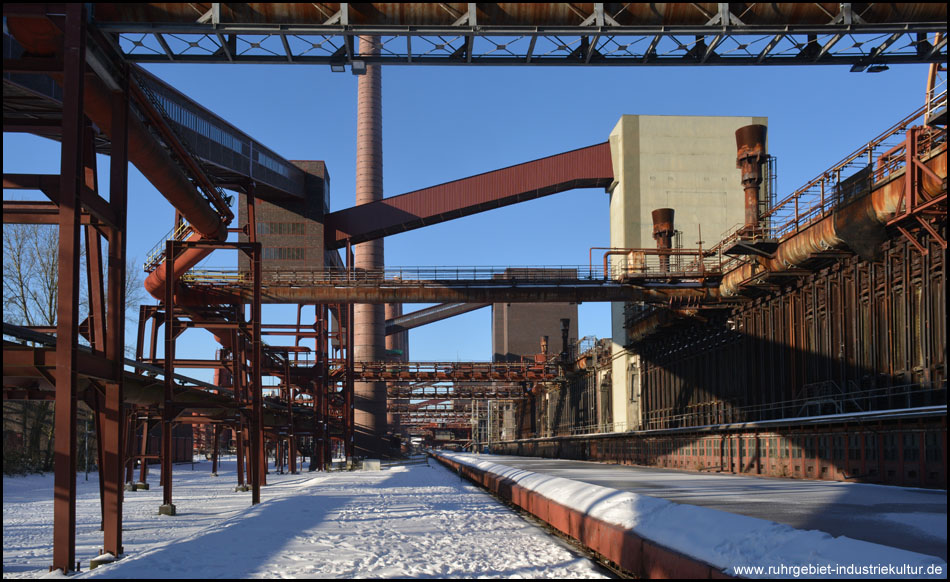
x,y
567,34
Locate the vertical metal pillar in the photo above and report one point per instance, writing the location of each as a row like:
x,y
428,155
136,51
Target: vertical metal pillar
x,y
129,427
67,309
323,387
292,435
258,458
96,324
167,507
319,388
143,462
112,444
369,320
237,380
214,449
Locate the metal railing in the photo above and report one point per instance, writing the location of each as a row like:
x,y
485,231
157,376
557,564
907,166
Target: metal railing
x,y
394,276
818,400
157,253
682,264
649,263
844,180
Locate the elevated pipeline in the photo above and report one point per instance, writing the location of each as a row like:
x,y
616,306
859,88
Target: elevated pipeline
x,y
859,226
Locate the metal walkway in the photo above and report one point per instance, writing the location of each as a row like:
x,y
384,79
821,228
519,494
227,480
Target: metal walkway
x,y
453,284
227,155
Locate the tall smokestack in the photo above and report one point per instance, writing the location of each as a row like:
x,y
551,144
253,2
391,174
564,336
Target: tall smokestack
x,y
369,322
663,232
750,143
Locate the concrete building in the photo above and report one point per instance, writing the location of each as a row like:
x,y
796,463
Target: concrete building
x,y
291,231
687,163
517,329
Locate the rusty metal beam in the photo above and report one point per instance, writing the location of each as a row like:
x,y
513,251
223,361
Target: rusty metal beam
x,y
457,293
67,313
429,315
588,167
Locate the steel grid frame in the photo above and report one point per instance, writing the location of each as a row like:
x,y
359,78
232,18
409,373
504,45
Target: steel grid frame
x,y
599,40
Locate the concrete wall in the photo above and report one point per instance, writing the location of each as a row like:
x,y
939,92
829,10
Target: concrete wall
x,y
680,162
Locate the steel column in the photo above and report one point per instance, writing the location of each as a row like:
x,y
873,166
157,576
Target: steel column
x,y
112,443
258,458
167,410
67,310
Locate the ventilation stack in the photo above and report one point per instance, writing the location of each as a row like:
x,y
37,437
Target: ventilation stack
x,y
663,232
750,143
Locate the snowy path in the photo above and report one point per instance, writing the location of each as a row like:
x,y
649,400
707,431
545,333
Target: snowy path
x,y
417,521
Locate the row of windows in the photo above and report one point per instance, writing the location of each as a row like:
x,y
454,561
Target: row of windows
x,y
202,126
281,228
283,254
271,163
199,125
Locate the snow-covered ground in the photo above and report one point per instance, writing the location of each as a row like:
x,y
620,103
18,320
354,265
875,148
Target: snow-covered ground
x,y
902,517
417,521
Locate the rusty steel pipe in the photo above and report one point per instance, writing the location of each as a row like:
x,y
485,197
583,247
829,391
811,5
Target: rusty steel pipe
x,y
663,232
750,146
858,226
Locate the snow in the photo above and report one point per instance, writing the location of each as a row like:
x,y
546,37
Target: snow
x,y
724,540
910,518
413,521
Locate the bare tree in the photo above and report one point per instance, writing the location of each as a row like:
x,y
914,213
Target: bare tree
x,y
30,270
30,274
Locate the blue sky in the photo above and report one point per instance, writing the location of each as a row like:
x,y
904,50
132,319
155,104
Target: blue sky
x,y
444,123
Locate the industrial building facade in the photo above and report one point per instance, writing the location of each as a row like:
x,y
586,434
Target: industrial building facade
x,y
686,163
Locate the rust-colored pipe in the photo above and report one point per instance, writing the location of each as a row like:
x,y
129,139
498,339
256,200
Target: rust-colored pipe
x,y
663,232
155,282
750,143
851,226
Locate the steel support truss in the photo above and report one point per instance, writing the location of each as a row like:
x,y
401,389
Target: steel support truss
x,y
77,209
683,34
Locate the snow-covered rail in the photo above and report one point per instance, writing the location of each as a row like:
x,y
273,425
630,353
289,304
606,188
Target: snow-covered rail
x,y
657,538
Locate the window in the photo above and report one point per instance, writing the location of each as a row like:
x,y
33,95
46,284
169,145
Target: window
x,y
283,254
294,228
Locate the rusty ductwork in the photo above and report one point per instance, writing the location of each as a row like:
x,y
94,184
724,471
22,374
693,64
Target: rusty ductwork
x,y
663,232
750,143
